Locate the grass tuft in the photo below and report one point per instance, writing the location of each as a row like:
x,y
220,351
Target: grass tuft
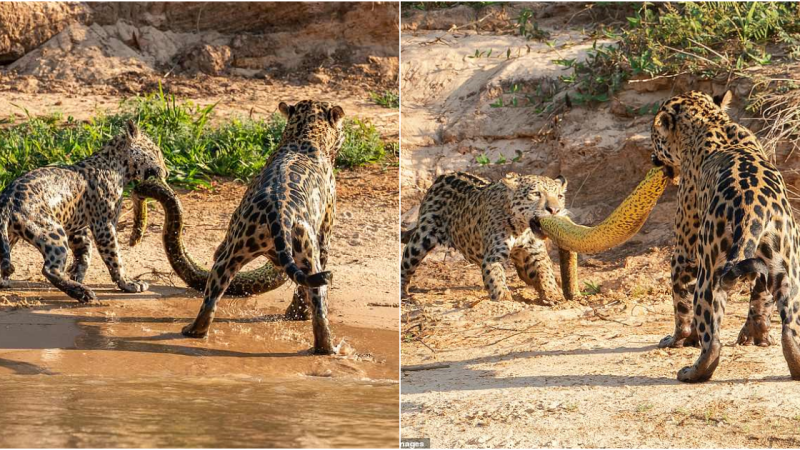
x,y
194,149
387,99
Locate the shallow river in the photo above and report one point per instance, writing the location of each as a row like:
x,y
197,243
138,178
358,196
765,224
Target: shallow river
x,y
79,411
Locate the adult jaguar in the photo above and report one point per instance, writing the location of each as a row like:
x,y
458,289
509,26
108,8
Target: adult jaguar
x,y
287,215
734,220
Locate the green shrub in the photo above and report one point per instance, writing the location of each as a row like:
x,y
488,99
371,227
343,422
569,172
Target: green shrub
x,y
387,99
194,149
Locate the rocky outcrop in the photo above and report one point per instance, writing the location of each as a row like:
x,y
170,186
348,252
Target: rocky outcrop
x,y
25,26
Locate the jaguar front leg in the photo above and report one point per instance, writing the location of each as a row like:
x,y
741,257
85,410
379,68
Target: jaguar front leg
x,y
105,236
535,269
493,270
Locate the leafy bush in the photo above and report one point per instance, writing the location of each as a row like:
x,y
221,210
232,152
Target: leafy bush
x,y
707,37
701,38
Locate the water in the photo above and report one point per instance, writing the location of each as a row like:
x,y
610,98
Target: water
x,y
81,411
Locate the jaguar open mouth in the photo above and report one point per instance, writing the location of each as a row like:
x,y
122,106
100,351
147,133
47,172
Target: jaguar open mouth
x,y
668,171
536,227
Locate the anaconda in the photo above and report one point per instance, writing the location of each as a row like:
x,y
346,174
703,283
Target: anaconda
x,y
622,224
262,279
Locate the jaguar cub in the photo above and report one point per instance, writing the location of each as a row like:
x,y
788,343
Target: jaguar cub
x,y
55,208
287,215
488,222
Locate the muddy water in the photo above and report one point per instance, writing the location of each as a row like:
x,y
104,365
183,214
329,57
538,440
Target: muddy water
x,y
62,411
118,373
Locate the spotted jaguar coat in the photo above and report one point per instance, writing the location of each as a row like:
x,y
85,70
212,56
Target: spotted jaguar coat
x,y
56,208
489,223
287,215
734,220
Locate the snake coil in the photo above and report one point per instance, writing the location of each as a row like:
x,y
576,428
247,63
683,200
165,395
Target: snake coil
x,y
257,281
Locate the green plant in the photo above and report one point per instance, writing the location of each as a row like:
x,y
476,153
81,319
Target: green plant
x,y
482,54
644,407
482,159
529,28
387,99
707,37
591,288
362,145
701,38
193,148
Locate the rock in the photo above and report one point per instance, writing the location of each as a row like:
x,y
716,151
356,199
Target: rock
x,y
318,78
27,85
386,67
208,59
25,26
89,54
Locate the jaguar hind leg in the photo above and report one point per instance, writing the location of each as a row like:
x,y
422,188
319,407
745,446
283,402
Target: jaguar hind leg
x,y
51,241
9,269
756,328
788,300
307,257
230,259
421,242
81,245
684,276
709,303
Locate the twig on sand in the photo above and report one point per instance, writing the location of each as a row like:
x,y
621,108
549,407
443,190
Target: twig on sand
x,y
526,330
609,319
424,367
474,22
426,345
384,305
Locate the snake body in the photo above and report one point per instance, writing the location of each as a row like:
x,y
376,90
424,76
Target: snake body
x,y
622,224
262,279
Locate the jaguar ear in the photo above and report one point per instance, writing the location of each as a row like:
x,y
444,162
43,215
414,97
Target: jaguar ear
x,y
664,122
511,181
132,129
562,181
724,100
285,109
335,115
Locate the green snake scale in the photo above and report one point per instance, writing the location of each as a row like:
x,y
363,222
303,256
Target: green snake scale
x,y
617,228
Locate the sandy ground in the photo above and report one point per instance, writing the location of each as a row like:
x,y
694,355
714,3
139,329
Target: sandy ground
x,y
585,373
